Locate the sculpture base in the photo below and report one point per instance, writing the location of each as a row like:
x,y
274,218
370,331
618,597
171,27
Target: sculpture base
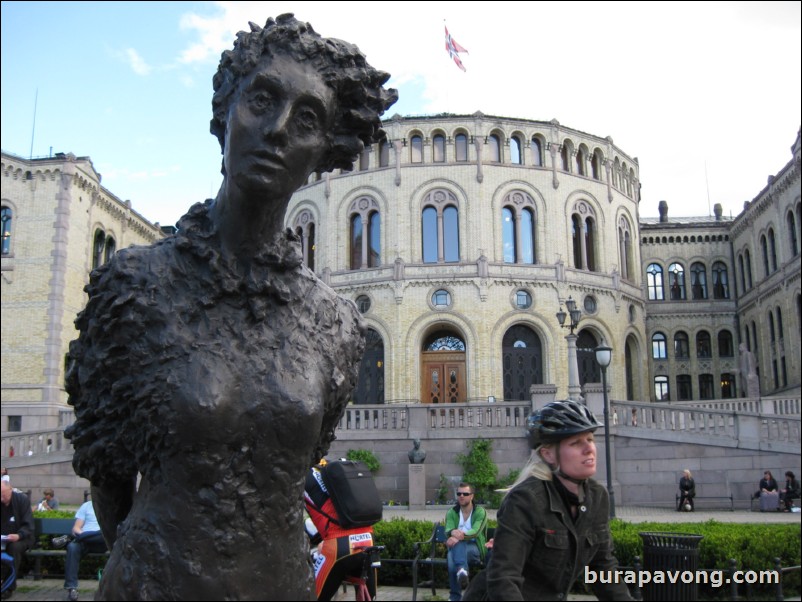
x,y
417,486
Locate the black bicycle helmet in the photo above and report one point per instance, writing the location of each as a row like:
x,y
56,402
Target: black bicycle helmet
x,y
557,420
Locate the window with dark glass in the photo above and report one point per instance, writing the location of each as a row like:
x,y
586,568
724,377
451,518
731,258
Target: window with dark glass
x,y
508,234
6,222
416,149
748,261
370,384
515,151
684,390
430,235
793,241
742,272
676,277
580,162
706,386
661,388
595,166
772,250
374,238
654,281
441,298
451,234
681,346
590,243
698,281
725,346
659,346
523,300
625,248
494,148
111,248
439,148
356,242
721,287
518,235
728,386
14,425
461,147
764,245
363,303
537,152
564,158
576,235
522,362
703,345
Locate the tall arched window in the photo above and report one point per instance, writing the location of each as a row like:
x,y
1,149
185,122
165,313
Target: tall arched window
x,y
522,361
654,282
365,234
596,165
305,228
439,148
370,385
6,224
518,228
661,388
764,246
364,159
793,241
103,248
564,158
416,149
659,351
440,228
461,147
537,152
384,153
111,248
581,160
676,281
625,257
703,345
742,272
583,224
772,250
725,346
721,286
494,148
748,262
681,345
698,281
516,156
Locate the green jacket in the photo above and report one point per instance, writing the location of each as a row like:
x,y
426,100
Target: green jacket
x,y
478,530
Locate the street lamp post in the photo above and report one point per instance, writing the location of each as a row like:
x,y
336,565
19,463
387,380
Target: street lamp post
x,y
574,389
604,355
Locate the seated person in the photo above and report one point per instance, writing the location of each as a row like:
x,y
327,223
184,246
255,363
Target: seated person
x,y
339,551
687,491
18,529
767,484
790,492
466,528
87,539
49,501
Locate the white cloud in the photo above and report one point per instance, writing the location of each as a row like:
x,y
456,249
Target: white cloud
x,y
136,62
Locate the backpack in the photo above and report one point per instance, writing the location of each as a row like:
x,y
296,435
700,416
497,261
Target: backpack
x,y
353,493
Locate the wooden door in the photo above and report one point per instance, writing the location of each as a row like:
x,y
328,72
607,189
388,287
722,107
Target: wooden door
x,y
443,377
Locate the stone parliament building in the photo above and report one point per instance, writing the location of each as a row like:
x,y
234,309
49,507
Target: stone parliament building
x,y
459,239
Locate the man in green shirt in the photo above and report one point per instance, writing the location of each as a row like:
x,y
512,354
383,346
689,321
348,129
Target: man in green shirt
x,y
466,528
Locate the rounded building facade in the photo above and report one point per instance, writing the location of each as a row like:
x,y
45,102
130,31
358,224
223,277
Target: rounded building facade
x,y
461,237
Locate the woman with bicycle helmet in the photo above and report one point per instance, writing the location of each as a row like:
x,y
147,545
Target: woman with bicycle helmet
x,y
554,520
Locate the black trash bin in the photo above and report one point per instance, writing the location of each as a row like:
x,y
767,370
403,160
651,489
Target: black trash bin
x,y
671,554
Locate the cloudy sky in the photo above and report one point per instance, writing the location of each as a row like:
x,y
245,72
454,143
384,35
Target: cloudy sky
x,y
705,94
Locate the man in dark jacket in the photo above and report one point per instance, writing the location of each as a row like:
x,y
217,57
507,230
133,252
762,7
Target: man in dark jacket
x,y
18,527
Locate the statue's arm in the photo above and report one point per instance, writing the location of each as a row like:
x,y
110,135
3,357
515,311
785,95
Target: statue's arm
x,y
112,502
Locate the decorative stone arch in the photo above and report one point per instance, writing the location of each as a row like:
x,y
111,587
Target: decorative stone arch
x,y
497,134
523,143
544,145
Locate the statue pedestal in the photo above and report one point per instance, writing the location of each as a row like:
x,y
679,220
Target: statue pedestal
x,y
417,487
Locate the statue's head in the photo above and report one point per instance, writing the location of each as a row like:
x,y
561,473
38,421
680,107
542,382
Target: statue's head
x,y
359,96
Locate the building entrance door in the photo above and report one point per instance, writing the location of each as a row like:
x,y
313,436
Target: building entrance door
x,y
443,377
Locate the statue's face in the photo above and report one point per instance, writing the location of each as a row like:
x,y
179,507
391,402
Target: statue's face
x,y
277,126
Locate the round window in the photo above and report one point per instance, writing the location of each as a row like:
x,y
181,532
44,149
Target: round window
x,y
363,304
590,304
523,300
441,298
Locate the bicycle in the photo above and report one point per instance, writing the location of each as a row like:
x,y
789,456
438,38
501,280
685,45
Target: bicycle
x,y
371,561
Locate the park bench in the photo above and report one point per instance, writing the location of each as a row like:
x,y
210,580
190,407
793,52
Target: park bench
x,y
711,498
428,556
51,527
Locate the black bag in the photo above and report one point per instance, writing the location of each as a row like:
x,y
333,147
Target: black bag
x,y
353,493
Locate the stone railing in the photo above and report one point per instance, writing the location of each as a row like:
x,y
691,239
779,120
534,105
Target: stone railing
x,y
34,443
783,406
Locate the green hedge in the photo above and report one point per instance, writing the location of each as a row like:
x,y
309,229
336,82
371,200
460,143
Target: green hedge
x,y
754,547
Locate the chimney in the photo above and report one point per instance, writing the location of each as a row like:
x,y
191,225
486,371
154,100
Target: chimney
x,y
663,209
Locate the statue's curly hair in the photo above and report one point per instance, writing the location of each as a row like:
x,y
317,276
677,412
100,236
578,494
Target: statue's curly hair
x,y
359,95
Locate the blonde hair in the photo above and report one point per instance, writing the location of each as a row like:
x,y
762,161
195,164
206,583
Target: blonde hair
x,y
687,472
536,467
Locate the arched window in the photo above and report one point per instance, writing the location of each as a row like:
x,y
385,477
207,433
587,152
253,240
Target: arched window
x,y
703,345
721,287
439,148
516,156
522,360
706,386
764,246
748,262
584,237
6,222
111,248
728,386
305,228
742,272
461,147
684,392
698,281
772,250
494,148
676,284
384,153
659,346
440,228
681,346
564,158
725,346
518,228
537,152
581,158
793,242
596,165
654,281
365,234
625,257
416,149
661,388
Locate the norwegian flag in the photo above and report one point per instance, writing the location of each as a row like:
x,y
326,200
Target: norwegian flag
x,y
454,49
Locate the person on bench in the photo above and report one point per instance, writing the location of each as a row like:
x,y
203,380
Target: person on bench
x,y
790,491
466,527
687,491
18,530
87,538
